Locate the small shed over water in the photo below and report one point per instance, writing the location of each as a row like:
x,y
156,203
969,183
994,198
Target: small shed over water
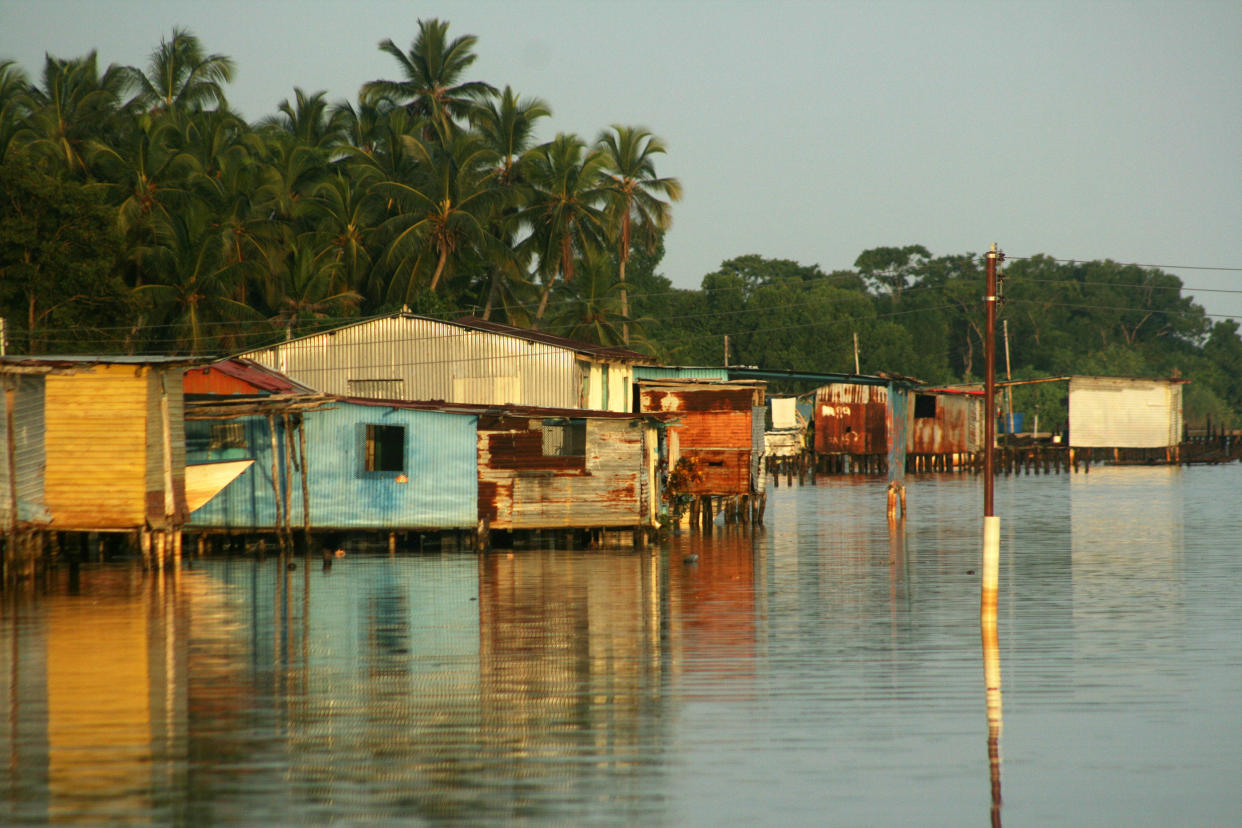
x,y
558,468
719,424
1113,412
370,465
945,421
113,440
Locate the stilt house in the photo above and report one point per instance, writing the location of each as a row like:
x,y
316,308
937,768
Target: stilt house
x,y
718,425
96,443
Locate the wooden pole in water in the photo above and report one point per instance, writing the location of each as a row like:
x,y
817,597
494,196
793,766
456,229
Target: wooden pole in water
x,y
989,393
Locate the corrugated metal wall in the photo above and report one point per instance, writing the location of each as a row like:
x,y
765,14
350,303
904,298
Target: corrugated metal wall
x,y
523,487
440,492
96,450
1124,413
716,426
27,419
850,419
422,359
947,430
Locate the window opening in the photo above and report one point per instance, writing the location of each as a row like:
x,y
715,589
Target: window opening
x,y
924,406
385,448
564,438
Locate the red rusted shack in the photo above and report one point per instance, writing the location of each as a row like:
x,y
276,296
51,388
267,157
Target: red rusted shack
x,y
945,421
720,424
568,469
851,418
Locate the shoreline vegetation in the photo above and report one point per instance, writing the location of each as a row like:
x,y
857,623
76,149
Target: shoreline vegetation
x,y
140,215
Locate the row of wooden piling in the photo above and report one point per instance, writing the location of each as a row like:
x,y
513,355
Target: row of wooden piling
x,y
1028,459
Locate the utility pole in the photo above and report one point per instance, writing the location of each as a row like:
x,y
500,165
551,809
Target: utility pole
x,y
1008,378
726,362
857,370
989,388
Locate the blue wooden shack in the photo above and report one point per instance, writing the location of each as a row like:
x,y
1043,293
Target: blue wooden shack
x,y
369,465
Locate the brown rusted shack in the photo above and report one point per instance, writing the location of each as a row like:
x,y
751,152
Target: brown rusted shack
x,y
851,426
945,428
566,469
720,427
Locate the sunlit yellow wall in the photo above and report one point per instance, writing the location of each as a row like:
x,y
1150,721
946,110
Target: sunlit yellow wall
x,y
96,445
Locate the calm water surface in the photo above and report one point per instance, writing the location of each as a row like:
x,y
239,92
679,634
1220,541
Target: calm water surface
x,y
825,671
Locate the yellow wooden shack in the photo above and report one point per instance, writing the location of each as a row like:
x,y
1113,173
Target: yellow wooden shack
x,y
113,442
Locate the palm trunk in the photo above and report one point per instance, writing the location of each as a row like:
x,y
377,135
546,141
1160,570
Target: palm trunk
x,y
491,294
435,277
625,305
543,302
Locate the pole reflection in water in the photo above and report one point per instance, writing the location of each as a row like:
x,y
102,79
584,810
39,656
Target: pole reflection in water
x,y
991,656
992,685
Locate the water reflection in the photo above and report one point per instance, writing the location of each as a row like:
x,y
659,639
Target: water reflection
x,y
821,671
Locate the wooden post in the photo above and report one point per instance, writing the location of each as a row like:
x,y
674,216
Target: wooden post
x,y
306,520
279,521
287,439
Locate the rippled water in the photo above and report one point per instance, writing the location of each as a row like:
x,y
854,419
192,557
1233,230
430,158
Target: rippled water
x,y
825,671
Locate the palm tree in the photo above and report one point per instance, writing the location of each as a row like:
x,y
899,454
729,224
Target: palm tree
x,y
305,285
311,120
14,103
433,68
442,213
507,127
146,177
345,219
564,213
634,196
180,76
591,303
193,287
73,105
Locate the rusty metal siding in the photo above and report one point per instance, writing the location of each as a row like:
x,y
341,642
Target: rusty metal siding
x,y
851,419
521,487
1124,413
947,431
715,426
412,358
28,455
758,439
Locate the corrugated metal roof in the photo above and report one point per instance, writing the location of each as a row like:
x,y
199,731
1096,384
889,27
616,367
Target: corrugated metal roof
x,y
52,362
659,372
503,410
581,346
258,377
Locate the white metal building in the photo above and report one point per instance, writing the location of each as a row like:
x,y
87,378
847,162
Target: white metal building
x,y
1109,412
403,356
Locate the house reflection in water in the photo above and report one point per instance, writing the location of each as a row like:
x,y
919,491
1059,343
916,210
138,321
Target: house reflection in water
x,y
440,688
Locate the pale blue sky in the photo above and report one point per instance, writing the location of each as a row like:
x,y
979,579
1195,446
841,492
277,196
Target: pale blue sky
x,y
811,130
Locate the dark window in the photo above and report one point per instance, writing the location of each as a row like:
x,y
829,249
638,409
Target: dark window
x,y
924,406
385,448
564,438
